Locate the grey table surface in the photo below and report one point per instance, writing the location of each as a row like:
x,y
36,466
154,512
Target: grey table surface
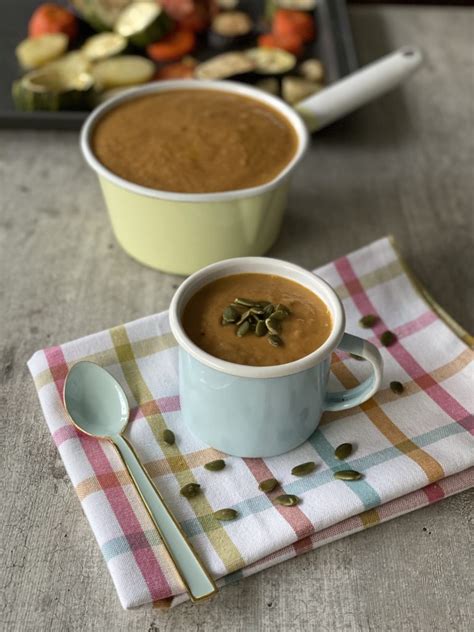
x,y
402,165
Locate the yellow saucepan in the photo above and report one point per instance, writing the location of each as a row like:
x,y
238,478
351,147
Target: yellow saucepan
x,y
182,232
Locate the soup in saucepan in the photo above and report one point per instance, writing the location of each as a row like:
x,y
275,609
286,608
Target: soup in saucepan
x,y
195,141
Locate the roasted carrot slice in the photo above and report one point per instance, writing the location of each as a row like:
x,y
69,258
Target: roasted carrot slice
x,y
291,43
180,70
293,23
52,18
173,46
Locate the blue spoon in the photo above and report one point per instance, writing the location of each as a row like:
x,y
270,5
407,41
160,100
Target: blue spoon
x,y
97,405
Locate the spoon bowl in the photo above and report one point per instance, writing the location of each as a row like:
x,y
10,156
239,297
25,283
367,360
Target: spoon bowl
x,y
95,401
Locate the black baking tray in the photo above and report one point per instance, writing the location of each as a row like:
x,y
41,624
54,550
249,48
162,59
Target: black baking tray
x,y
334,45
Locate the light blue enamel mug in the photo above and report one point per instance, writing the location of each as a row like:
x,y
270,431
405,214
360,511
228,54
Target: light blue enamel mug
x,y
251,411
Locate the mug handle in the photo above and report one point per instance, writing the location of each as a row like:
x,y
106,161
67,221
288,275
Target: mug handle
x,y
339,400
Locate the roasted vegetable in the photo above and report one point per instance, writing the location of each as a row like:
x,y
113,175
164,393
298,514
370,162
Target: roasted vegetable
x,y
143,23
53,88
38,51
103,45
229,29
291,43
52,18
295,89
224,66
181,70
172,47
100,14
271,61
293,23
269,85
312,69
123,70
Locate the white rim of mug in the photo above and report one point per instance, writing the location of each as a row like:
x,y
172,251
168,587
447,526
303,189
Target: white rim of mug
x,y
193,84
264,265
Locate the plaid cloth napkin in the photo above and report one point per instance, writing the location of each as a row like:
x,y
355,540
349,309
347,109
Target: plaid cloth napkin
x,y
414,449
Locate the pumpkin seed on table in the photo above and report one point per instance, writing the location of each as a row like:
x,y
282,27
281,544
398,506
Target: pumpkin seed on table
x,y
347,475
356,357
190,490
397,387
168,436
304,469
388,338
215,466
343,451
368,321
268,485
226,514
287,500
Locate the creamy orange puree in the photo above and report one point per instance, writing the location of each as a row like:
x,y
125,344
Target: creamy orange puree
x,y
303,331
194,141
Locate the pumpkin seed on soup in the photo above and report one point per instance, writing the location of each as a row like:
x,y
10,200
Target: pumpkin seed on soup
x,y
287,500
245,302
268,485
388,338
397,387
190,490
230,315
260,328
368,321
226,514
215,466
343,451
275,340
243,329
304,469
168,436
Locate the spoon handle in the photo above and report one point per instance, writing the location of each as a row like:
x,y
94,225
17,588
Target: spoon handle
x,y
195,577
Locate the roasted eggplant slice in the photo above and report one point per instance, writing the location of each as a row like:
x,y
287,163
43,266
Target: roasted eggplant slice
x,y
224,66
313,70
295,89
271,61
229,29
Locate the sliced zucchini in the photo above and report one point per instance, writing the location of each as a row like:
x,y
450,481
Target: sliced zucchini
x,y
295,89
71,64
313,70
269,85
297,5
100,14
103,45
123,70
143,23
34,52
224,66
271,61
49,89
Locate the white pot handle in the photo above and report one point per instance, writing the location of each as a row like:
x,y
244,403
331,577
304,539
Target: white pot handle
x,y
359,88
